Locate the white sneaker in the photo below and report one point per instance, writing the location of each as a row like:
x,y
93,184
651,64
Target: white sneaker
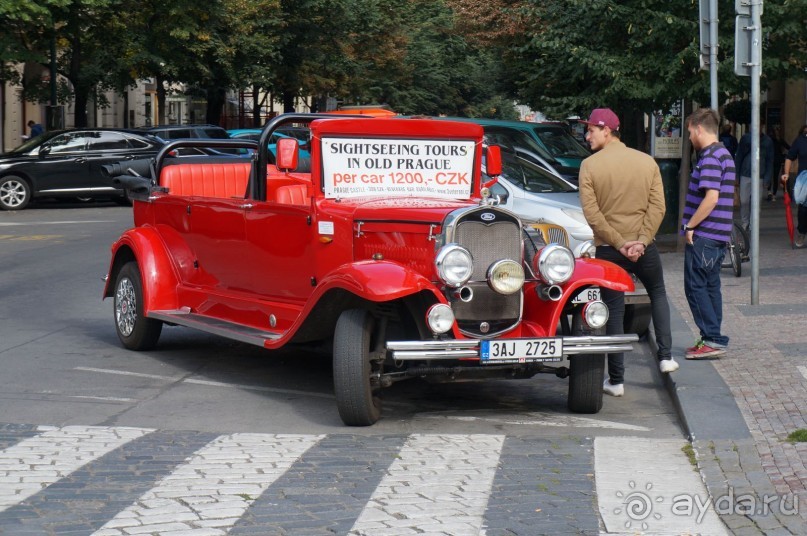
x,y
613,390
667,365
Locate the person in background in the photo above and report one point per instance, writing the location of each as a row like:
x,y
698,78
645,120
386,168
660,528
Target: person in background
x,y
742,163
780,148
622,197
798,149
36,129
708,220
728,139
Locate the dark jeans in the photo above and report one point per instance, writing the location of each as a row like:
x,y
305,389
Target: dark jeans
x,y
702,262
649,271
802,219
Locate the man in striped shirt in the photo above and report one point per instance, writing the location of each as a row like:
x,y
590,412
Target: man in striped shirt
x,y
708,218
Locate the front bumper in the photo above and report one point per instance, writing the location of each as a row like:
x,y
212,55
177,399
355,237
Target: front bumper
x,y
470,348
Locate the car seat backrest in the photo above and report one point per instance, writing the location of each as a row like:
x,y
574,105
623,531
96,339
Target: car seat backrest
x,y
222,180
293,194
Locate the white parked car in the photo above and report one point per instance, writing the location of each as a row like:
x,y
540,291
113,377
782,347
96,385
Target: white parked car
x,y
539,196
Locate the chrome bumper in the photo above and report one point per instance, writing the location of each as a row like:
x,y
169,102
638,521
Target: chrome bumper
x,y
469,348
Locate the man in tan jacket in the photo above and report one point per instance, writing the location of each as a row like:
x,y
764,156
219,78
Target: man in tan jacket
x,y
623,200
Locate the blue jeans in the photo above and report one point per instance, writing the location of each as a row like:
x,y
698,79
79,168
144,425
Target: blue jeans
x,y
650,272
702,261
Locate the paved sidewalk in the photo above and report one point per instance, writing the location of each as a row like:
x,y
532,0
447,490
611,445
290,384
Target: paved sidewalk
x,y
739,410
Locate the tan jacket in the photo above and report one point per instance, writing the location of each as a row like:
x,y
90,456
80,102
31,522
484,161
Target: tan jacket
x,y
622,195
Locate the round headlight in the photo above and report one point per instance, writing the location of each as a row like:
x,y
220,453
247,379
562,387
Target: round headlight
x,y
454,265
555,264
595,313
585,250
440,318
506,276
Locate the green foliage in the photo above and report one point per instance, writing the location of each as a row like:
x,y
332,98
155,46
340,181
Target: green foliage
x,y
453,57
738,111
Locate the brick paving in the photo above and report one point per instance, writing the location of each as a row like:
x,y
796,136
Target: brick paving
x,y
765,371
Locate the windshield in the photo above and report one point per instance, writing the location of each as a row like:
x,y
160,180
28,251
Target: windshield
x,y
560,143
532,178
35,142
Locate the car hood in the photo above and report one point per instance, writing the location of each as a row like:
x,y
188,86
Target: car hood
x,y
404,209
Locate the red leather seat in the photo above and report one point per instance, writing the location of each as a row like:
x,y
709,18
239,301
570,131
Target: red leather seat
x,y
293,194
222,180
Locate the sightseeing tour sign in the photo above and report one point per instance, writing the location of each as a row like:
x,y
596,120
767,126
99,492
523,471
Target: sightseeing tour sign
x,y
356,167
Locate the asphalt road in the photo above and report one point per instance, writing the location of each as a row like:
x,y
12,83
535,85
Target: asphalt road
x,y
63,364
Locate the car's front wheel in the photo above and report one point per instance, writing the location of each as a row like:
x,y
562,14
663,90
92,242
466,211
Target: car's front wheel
x,y
353,368
15,193
135,331
585,383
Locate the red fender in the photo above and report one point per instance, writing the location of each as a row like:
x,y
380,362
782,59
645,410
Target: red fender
x,y
158,272
376,281
587,272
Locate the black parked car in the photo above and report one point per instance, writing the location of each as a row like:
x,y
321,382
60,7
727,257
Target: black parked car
x,y
67,163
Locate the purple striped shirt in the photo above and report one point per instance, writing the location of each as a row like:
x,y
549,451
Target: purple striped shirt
x,y
714,171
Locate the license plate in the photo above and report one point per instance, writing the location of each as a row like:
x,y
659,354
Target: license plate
x,y
587,295
521,350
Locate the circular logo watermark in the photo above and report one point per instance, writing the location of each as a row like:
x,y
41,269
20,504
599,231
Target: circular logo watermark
x,y
638,506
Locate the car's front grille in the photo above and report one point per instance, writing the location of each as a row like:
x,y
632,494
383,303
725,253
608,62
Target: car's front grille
x,y
553,234
488,242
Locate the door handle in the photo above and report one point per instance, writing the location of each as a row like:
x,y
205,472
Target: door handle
x,y
246,206
81,160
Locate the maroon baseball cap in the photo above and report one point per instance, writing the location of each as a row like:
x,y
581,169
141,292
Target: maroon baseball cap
x,y
603,117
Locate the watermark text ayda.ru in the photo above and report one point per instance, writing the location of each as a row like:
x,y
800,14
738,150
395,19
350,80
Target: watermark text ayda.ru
x,y
643,507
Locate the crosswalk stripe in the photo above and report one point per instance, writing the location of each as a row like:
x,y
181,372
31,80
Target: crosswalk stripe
x,y
35,463
637,481
214,488
438,484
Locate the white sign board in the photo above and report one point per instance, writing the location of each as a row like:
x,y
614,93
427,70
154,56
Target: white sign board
x,y
358,167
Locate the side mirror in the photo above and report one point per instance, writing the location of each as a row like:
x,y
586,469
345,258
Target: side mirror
x,y
288,152
493,161
44,149
493,164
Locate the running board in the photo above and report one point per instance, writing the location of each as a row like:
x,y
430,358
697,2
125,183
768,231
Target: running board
x,y
215,326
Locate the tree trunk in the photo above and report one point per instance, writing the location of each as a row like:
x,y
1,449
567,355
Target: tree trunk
x,y
288,102
160,100
215,104
81,97
256,107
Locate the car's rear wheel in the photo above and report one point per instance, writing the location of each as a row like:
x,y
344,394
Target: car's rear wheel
x,y
356,392
585,383
15,193
135,331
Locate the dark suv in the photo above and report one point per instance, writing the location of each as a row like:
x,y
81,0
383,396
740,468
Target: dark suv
x,y
178,132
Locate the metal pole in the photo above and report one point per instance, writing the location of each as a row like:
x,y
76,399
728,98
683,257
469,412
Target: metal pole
x,y
713,52
756,68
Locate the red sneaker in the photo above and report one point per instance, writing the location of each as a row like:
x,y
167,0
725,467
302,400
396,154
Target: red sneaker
x,y
704,351
692,349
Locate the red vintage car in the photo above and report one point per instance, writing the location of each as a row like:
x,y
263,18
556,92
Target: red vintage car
x,y
390,247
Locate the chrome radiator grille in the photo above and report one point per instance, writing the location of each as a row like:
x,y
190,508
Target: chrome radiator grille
x,y
488,242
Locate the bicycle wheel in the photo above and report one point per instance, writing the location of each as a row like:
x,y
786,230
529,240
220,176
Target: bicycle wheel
x,y
740,238
733,253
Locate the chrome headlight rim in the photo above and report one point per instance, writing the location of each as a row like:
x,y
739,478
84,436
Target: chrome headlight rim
x,y
506,276
549,273
595,314
440,318
585,250
450,252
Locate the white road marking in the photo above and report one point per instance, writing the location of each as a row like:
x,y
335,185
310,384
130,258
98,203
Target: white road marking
x,y
37,462
70,222
437,481
648,486
208,383
214,488
537,418
803,371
